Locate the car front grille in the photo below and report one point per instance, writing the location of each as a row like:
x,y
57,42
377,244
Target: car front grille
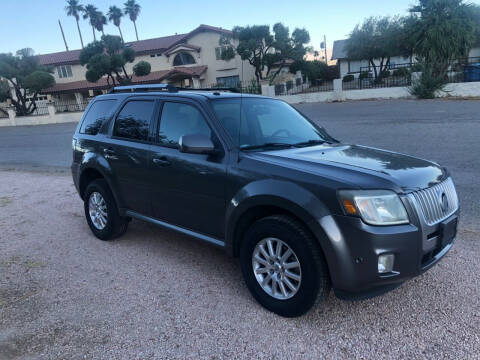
x,y
436,203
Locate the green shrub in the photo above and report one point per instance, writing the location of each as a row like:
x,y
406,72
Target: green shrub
x,y
416,67
348,78
401,72
364,75
428,84
385,74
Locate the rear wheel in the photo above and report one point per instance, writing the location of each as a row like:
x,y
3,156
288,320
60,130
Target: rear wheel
x,y
101,211
283,266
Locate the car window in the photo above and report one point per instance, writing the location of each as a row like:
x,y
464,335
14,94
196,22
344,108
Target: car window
x,y
179,119
133,121
98,113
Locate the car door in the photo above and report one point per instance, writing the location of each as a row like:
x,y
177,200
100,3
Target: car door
x,y
128,152
189,188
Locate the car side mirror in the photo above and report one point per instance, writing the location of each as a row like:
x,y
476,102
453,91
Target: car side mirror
x,y
196,144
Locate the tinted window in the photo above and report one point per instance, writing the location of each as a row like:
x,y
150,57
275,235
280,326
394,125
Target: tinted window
x,y
98,113
178,120
133,122
265,121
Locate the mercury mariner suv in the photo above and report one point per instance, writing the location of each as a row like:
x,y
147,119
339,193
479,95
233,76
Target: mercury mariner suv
x,y
252,175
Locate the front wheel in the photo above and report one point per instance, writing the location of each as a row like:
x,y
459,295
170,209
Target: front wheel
x,y
283,266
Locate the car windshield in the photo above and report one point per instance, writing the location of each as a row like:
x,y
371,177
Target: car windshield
x,y
266,124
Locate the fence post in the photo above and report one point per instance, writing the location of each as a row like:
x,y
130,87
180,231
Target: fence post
x,y
338,94
11,116
268,90
51,109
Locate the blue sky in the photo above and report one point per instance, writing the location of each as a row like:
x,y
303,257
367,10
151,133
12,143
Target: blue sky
x,y
34,23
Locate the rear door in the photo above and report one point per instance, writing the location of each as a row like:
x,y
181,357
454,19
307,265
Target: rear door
x,y
129,151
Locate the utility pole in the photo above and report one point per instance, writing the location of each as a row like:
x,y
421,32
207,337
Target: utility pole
x,y
325,44
63,35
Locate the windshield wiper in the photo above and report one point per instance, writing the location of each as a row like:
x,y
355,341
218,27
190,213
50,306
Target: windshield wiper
x,y
266,145
310,143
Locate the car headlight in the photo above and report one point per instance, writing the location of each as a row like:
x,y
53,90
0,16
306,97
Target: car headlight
x,y
375,207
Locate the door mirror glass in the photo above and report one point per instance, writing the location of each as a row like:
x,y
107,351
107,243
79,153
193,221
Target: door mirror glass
x,y
196,144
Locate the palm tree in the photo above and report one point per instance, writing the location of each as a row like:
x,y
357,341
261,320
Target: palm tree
x,y
90,12
132,9
100,21
74,9
115,15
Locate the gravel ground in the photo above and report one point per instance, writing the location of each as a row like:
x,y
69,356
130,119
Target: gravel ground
x,y
155,294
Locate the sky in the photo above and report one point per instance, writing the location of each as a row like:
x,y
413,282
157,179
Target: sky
x,y
34,23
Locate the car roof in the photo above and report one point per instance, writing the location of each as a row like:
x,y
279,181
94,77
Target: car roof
x,y
192,94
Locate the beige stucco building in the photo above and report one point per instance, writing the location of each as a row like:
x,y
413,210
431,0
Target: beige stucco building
x,y
188,60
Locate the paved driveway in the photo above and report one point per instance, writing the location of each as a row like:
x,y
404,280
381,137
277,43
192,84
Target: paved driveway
x,y
155,294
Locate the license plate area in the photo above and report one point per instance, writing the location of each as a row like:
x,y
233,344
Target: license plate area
x,y
448,231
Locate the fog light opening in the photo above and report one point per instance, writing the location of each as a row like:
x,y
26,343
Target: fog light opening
x,y
385,263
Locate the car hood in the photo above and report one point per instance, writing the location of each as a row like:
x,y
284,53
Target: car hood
x,y
407,172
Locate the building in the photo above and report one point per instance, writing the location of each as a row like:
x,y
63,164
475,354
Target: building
x,y
354,67
188,60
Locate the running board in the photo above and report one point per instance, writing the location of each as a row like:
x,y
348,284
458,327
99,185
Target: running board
x,y
191,233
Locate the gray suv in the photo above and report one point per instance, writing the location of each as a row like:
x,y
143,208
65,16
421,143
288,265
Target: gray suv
x,y
252,175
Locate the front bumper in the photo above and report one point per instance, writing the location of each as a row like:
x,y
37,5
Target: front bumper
x,y
354,247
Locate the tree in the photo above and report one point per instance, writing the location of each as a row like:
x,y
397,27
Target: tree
x,y
90,12
108,57
74,8
115,15
132,9
286,48
442,31
377,38
263,50
100,22
27,78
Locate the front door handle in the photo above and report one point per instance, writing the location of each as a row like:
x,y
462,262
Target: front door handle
x,y
161,161
109,151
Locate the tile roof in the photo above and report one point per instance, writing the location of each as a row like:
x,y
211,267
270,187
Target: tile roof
x,y
339,51
159,44
156,76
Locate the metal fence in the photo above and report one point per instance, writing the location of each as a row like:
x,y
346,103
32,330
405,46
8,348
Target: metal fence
x,y
371,83
41,109
290,89
3,113
70,105
239,88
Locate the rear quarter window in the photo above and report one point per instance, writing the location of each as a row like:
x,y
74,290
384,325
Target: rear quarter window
x,y
99,112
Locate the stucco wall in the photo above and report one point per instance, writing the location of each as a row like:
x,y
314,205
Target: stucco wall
x,y
43,119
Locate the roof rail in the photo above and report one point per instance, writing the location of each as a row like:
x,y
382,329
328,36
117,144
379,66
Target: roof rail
x,y
148,87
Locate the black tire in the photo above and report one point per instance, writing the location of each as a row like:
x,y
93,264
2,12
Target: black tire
x,y
116,225
315,282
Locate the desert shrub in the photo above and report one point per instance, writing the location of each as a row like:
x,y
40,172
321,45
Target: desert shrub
x,y
348,78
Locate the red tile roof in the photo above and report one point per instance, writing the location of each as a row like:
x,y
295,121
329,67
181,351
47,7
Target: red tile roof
x,y
153,77
147,46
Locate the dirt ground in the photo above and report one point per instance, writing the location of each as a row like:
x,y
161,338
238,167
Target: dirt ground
x,y
154,294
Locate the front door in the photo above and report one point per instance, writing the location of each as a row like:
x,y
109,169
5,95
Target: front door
x,y
128,153
189,189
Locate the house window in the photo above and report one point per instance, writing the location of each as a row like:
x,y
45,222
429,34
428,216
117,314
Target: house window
x,y
228,81
64,71
220,50
183,58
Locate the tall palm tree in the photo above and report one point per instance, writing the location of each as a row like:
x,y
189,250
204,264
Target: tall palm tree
x,y
132,9
100,22
115,15
74,9
90,12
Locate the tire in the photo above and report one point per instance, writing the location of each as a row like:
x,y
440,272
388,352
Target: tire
x,y
115,225
314,285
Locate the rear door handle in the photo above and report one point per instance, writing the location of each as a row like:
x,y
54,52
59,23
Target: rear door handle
x,y
161,161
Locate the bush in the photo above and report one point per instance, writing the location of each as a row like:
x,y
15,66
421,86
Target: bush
x,y
416,67
427,85
142,68
401,72
364,75
385,74
348,78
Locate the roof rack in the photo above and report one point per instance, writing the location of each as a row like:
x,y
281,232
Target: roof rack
x,y
142,88
165,87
